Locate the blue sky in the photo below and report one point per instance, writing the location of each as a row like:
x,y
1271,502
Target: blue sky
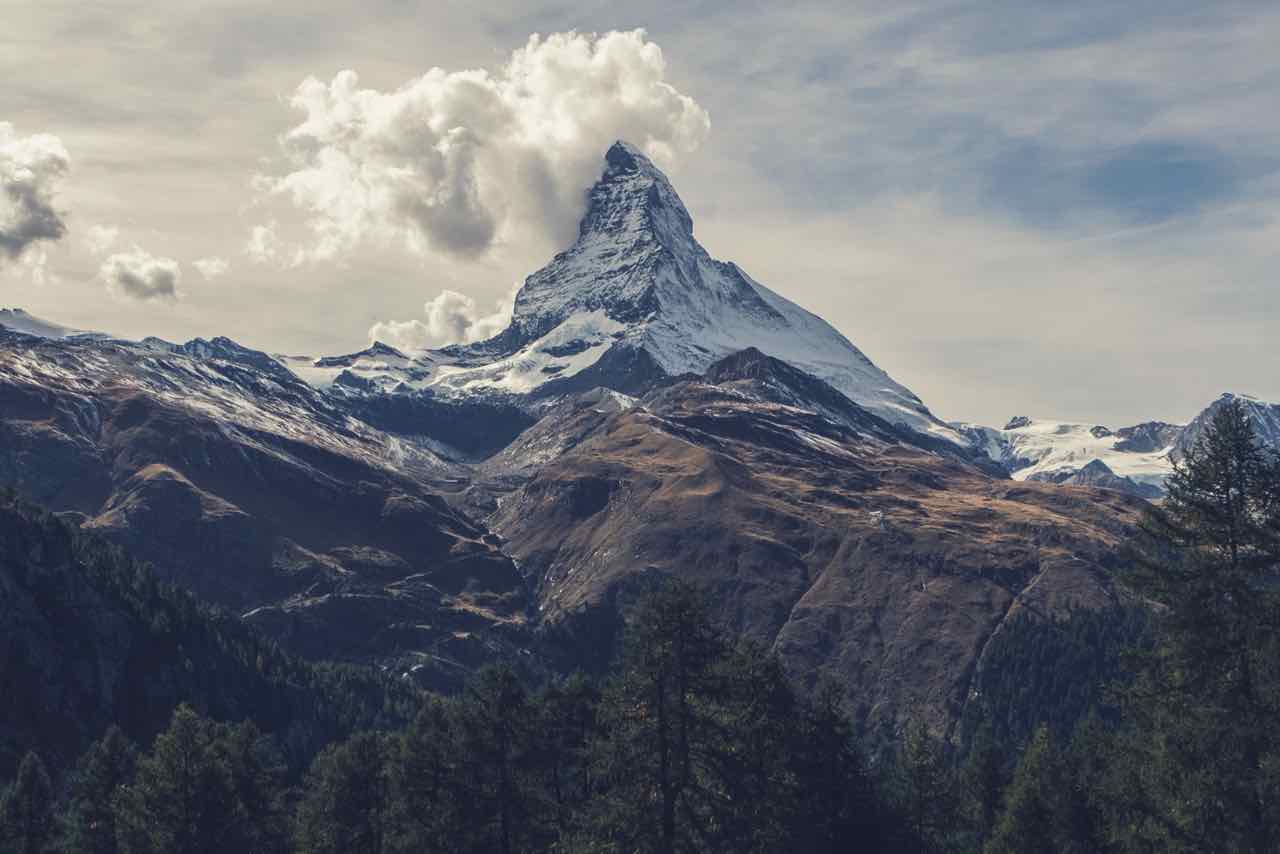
x,y
1064,210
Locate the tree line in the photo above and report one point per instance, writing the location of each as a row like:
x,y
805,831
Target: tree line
x,y
698,743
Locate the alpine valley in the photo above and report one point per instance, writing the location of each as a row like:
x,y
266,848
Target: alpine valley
x,y
649,411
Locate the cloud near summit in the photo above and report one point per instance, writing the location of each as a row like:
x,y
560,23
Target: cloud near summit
x,y
451,318
451,160
31,169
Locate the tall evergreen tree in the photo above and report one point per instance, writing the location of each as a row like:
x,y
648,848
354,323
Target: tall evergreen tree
x,y
108,765
182,799
926,794
983,779
1209,696
655,720
346,807
494,731
256,771
839,806
26,812
566,730
1029,821
428,791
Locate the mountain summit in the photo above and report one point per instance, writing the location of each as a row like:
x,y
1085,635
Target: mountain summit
x,y
637,298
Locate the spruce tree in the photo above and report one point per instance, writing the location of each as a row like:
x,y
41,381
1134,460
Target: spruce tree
x,y
256,772
346,806
566,729
839,807
655,718
108,765
926,795
1209,695
427,789
983,779
1030,819
26,812
495,737
182,799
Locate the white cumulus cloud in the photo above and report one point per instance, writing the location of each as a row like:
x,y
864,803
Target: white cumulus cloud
x,y
451,318
100,238
31,168
264,244
139,275
211,268
449,160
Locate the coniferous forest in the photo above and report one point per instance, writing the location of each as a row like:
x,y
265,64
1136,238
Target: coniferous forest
x,y
1149,728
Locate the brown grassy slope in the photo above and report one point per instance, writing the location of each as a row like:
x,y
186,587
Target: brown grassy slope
x,y
882,566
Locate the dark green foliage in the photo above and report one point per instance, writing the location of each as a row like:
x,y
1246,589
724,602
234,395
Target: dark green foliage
x,y
1031,817
496,763
347,806
694,739
204,787
983,778
26,810
1204,711
1053,671
90,825
926,792
82,608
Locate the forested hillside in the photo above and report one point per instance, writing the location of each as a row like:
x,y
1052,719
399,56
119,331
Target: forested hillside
x,y
91,638
694,741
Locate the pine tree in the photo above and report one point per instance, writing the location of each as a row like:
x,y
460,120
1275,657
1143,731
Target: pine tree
x,y
426,784
1030,819
1210,693
838,807
108,765
654,720
494,728
983,780
346,807
26,812
256,773
182,799
926,794
566,729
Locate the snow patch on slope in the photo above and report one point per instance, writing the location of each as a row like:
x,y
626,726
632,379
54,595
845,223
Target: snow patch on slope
x,y
17,320
568,349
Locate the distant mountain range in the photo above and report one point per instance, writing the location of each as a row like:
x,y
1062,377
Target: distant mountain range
x,y
648,410
1134,459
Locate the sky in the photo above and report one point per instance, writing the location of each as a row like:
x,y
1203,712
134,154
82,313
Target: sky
x,y
1066,210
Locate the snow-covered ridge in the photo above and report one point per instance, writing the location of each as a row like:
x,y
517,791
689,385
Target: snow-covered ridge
x,y
1042,449
17,320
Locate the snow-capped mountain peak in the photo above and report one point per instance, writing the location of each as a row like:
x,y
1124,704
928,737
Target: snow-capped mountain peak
x,y
637,296
633,197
